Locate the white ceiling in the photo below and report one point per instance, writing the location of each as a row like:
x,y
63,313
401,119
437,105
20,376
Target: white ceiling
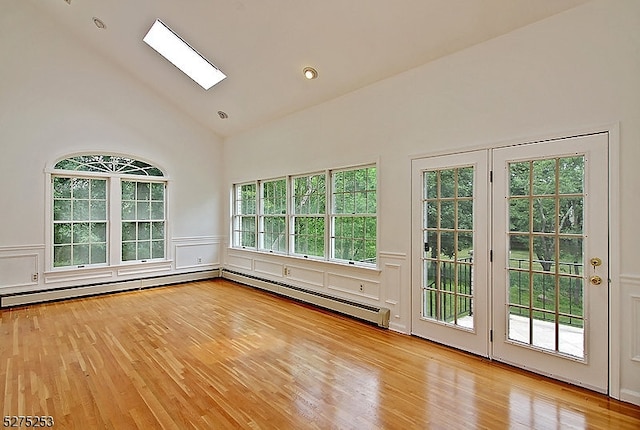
x,y
263,45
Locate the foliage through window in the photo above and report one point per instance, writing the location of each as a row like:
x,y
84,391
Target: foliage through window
x,y
353,217
244,215
108,164
309,208
290,215
273,215
79,221
142,220
86,207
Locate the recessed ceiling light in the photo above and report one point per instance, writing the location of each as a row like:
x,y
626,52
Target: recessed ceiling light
x,y
310,73
172,47
99,23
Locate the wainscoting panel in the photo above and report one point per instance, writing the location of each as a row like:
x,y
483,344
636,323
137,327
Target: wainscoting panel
x,y
629,338
269,268
354,286
19,268
305,276
79,276
196,252
392,283
146,269
395,271
235,261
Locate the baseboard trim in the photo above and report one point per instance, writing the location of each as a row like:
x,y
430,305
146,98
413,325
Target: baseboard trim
x,y
65,293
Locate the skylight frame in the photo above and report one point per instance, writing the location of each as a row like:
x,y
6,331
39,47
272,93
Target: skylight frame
x,y
181,54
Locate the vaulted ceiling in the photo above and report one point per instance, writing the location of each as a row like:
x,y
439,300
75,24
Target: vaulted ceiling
x,y
263,45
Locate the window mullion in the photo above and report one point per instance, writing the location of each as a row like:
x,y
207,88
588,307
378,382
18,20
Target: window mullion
x,y
114,224
328,215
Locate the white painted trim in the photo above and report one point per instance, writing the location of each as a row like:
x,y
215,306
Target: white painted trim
x,y
399,328
18,248
615,325
144,268
89,275
396,255
64,155
35,256
635,319
110,287
615,278
524,140
630,396
256,254
197,239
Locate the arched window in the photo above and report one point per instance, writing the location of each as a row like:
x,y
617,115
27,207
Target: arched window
x,y
106,210
108,164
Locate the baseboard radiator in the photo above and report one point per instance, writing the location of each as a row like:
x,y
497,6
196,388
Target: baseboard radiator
x,y
377,315
55,294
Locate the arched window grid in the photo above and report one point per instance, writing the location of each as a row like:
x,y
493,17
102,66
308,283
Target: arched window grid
x,y
124,210
109,164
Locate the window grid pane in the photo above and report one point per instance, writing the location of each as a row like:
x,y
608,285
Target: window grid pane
x,y
354,220
448,246
143,220
79,221
273,210
546,255
244,215
108,164
338,223
308,220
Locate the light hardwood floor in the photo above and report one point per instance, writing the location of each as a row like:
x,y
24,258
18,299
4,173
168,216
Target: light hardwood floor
x,y
217,355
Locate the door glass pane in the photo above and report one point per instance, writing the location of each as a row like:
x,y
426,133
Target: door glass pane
x,y
545,255
518,222
519,179
544,177
448,249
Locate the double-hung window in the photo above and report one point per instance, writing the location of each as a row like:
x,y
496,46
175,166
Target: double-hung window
x,y
309,197
353,215
330,215
244,215
79,221
142,220
106,210
273,215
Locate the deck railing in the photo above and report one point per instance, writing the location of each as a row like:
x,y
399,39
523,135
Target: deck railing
x,y
570,300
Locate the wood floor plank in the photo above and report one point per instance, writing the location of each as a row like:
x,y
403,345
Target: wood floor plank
x,y
217,355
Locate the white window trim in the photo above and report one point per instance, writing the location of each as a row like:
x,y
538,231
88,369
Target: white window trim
x,y
114,226
262,216
235,215
291,215
329,251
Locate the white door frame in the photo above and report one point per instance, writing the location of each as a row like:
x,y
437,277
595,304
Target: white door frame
x,y
615,325
473,339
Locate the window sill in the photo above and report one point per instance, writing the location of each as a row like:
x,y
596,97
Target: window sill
x,y
370,268
107,272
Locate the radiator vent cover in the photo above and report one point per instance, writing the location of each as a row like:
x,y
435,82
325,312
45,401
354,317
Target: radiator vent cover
x,y
377,315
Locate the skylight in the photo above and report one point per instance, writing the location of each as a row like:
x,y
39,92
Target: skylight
x,y
182,55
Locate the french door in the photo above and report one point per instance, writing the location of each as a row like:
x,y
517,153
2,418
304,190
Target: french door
x,y
541,303
450,242
551,248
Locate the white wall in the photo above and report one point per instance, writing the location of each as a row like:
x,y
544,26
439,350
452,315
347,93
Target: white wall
x,y
576,71
58,98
